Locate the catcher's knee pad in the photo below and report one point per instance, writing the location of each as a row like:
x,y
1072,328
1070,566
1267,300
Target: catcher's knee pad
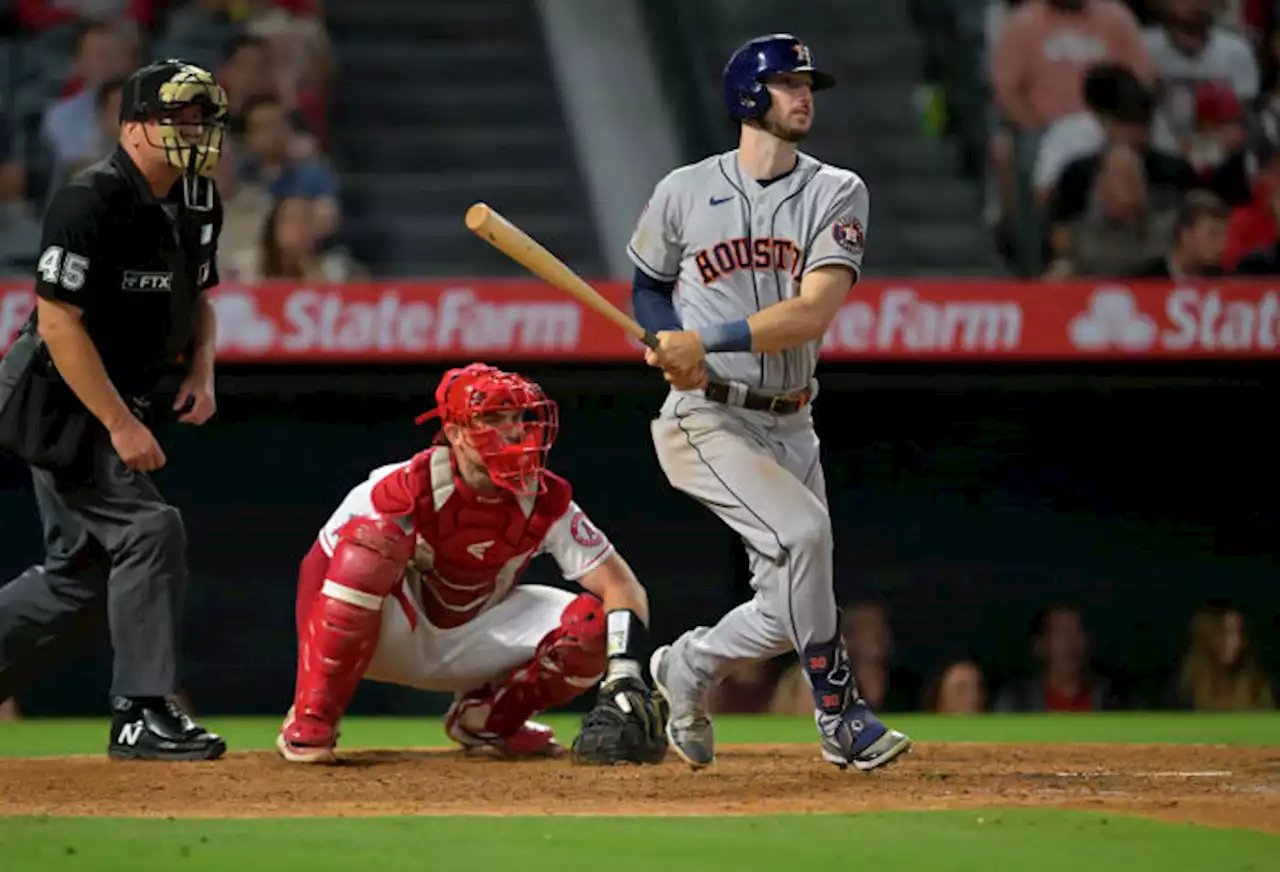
x,y
344,620
568,662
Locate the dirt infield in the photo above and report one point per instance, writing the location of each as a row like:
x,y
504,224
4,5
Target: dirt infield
x,y
1214,785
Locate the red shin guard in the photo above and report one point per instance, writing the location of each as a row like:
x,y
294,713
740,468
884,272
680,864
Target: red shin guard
x,y
569,661
343,624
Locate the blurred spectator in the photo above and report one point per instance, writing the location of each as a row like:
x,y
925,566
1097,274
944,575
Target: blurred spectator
x,y
245,208
1121,230
290,249
1220,671
70,127
304,62
747,690
1189,50
251,71
9,710
792,696
107,122
1168,177
958,689
1216,147
1254,226
1038,67
1120,110
197,31
246,71
48,14
268,163
1044,49
12,175
1067,681
1199,240
868,637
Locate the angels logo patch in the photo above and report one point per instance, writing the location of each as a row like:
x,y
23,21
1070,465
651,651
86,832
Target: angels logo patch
x,y
583,533
847,232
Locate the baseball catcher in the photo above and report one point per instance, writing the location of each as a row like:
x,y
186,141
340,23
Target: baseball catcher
x,y
413,581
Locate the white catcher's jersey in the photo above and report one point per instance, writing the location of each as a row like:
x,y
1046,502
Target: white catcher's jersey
x,y
734,246
576,544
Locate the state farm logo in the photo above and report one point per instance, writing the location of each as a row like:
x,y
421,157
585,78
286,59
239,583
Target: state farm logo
x,y
240,325
902,321
1112,321
1188,319
306,321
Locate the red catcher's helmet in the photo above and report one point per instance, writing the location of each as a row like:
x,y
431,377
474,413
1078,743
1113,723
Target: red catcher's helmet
x,y
514,452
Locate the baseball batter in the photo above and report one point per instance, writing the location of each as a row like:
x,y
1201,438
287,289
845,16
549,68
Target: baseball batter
x,y
742,260
413,581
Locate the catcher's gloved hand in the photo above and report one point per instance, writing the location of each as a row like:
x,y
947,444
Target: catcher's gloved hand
x,y
628,725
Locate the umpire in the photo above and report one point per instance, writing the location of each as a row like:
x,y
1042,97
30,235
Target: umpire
x,y
129,246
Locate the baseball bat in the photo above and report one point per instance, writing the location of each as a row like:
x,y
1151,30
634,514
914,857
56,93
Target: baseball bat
x,y
485,222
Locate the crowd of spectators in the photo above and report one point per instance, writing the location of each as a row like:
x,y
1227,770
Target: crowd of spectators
x,y
1148,134
64,62
1219,671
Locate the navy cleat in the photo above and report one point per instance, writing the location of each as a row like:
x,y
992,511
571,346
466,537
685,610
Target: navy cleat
x,y
851,733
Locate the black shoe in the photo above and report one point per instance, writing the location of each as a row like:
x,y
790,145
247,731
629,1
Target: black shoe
x,y
155,728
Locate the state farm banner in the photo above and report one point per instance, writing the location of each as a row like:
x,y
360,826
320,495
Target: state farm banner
x,y
393,321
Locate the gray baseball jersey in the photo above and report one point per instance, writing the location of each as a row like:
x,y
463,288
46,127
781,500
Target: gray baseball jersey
x,y
734,246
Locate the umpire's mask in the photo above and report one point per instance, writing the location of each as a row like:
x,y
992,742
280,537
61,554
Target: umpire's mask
x,y
189,111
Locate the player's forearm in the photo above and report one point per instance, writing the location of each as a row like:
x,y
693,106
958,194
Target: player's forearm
x,y
788,324
81,367
626,607
627,596
652,303
206,339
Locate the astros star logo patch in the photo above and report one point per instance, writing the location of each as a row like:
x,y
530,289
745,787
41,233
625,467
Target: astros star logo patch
x,y
847,232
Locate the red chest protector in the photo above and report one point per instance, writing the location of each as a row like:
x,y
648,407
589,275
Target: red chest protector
x,y
477,545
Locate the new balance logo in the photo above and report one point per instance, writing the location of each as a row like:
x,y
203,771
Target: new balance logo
x,y
477,550
130,734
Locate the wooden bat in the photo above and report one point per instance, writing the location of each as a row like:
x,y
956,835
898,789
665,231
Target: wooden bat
x,y
485,222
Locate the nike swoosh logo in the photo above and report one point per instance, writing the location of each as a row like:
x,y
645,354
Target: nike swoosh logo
x,y
715,202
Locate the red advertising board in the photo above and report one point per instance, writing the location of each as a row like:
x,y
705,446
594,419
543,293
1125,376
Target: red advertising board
x,y
882,319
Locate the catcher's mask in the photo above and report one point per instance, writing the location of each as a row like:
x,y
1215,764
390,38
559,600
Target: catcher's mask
x,y
508,421
161,97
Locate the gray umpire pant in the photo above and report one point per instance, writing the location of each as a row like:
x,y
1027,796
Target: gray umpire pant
x,y
109,537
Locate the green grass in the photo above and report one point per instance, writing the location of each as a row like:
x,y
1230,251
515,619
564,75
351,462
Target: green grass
x,y
952,841
56,737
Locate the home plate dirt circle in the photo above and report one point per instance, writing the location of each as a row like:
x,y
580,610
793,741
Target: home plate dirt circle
x,y
1209,784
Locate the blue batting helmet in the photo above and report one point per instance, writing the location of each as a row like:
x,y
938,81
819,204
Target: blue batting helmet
x,y
764,56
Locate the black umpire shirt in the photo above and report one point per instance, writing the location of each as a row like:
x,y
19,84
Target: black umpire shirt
x,y
134,263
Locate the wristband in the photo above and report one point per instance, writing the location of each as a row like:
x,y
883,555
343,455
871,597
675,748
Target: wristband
x,y
628,637
732,336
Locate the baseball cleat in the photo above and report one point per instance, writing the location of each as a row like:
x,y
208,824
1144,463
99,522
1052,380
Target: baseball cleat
x,y
857,738
306,740
531,740
156,728
689,730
